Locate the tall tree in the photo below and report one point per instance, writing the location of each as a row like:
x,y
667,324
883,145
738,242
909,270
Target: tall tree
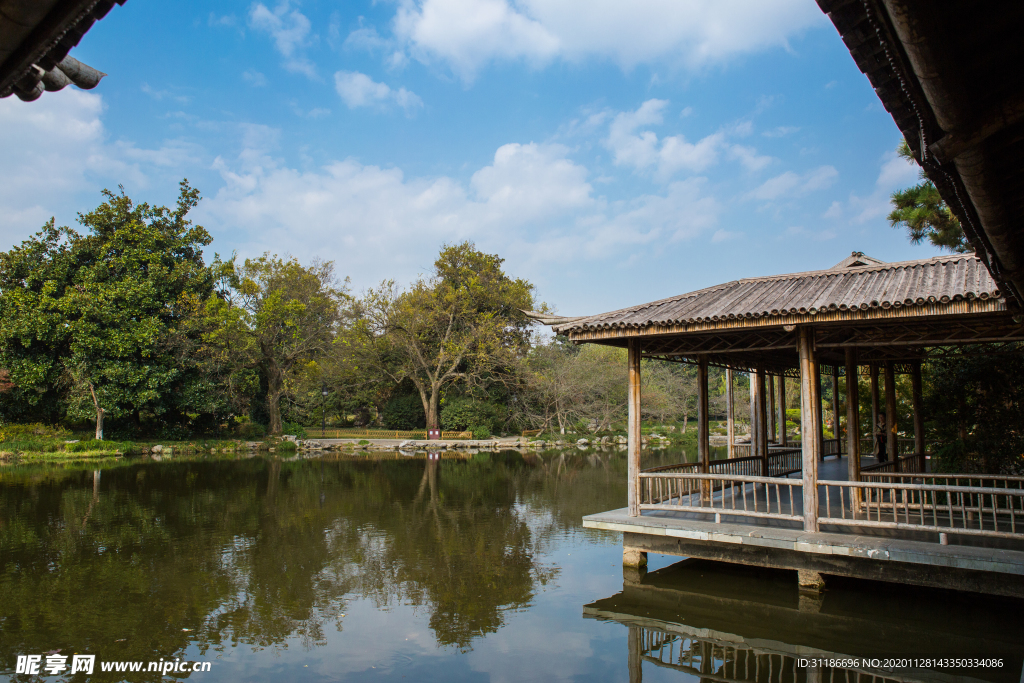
x,y
109,317
924,214
277,316
462,324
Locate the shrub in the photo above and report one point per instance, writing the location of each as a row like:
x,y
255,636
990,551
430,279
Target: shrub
x,y
481,433
404,412
287,446
292,428
251,430
460,414
36,430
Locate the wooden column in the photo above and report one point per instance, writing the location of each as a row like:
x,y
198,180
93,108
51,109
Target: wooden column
x,y
852,415
783,437
915,381
633,429
874,406
762,422
773,431
810,445
753,412
819,432
890,412
703,432
836,422
730,414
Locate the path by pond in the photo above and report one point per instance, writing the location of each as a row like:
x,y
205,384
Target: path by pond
x,y
350,568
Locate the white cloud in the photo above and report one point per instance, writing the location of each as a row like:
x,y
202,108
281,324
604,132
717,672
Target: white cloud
x,y
290,30
790,184
467,34
641,149
359,90
254,78
894,173
724,236
780,131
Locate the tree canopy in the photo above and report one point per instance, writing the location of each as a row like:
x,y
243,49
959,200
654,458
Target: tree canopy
x,y
922,212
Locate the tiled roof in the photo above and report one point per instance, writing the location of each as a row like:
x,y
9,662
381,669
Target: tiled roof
x,y
941,279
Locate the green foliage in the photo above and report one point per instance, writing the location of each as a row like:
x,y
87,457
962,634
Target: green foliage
x,y
35,430
481,433
460,414
404,412
251,430
294,429
924,214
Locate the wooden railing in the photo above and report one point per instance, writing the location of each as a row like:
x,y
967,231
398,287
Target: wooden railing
x,y
971,510
531,432
903,446
831,447
743,496
905,463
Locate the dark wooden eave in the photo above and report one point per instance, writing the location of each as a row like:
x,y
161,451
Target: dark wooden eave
x,y
950,74
35,38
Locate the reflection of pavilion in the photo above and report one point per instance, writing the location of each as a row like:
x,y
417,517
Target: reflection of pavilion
x,y
730,625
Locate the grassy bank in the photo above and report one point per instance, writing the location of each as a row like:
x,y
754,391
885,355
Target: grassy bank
x,y
56,448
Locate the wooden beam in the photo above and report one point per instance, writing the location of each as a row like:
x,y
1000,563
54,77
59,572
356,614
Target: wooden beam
x,y
810,446
852,416
633,429
762,422
836,431
915,382
703,432
890,412
819,433
730,414
783,437
874,407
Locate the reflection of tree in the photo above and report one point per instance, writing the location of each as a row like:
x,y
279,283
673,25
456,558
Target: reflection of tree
x,y
255,552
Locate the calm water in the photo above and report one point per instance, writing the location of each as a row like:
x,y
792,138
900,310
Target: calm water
x,y
473,569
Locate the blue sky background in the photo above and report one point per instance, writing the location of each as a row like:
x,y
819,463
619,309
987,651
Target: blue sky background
x,y
613,153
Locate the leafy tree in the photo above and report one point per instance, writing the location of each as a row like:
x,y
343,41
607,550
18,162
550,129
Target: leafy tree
x,y
924,214
462,324
109,320
277,317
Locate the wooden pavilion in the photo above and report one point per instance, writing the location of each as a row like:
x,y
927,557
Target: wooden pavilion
x,y
860,314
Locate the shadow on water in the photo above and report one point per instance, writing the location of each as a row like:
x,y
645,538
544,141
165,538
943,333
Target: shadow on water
x,y
728,623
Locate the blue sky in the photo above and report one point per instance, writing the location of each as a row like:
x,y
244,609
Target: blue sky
x,y
613,153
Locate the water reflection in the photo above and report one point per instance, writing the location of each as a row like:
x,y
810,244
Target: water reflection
x,y
146,557
733,624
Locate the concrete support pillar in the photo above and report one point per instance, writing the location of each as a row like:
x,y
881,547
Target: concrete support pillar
x,y
810,581
781,403
730,414
873,368
852,415
891,445
633,429
809,426
632,557
915,380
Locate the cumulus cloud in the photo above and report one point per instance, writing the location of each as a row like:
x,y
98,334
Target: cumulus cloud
x,y
465,35
641,149
895,173
789,184
359,90
290,30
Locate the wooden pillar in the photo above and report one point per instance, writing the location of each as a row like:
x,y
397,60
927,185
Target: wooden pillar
x,y
633,429
915,381
890,413
703,431
783,437
836,432
809,403
874,406
753,412
773,431
819,432
852,415
730,414
762,422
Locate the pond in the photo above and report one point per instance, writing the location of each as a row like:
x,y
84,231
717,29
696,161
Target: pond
x,y
464,567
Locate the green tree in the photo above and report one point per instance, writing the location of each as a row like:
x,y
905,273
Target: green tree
x,y
924,214
108,321
465,323
277,317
